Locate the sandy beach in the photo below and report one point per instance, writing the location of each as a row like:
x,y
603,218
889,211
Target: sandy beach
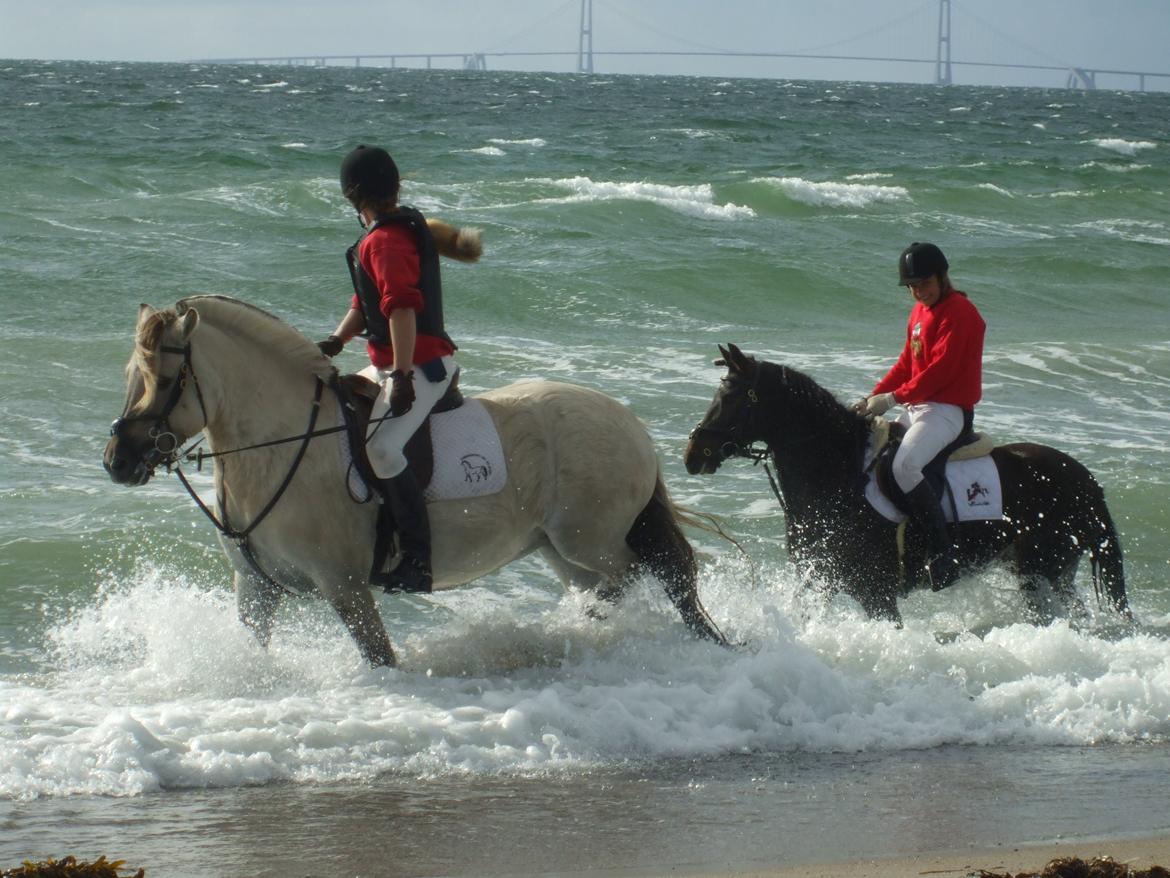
x,y
1136,853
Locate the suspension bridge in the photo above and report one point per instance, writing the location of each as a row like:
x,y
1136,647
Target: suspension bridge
x,y
942,63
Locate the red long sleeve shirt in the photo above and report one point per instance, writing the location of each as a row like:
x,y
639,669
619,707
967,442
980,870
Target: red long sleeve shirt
x,y
943,357
389,254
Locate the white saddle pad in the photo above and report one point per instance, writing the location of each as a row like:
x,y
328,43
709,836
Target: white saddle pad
x,y
469,459
974,483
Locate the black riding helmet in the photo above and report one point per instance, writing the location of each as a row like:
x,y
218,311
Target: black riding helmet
x,y
920,261
368,173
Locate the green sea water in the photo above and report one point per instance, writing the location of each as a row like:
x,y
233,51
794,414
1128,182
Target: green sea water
x,y
630,225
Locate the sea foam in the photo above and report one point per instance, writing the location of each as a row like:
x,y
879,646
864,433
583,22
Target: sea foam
x,y
1125,147
157,686
831,194
696,200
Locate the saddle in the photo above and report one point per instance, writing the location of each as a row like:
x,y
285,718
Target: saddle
x,y
888,438
357,394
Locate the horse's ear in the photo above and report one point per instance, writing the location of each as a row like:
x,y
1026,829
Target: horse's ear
x,y
736,359
187,324
144,313
724,359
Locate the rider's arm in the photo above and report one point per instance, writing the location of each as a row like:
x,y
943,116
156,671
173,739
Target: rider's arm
x,y
351,324
403,329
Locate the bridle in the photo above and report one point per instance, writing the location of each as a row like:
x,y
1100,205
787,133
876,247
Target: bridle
x,y
166,443
729,440
166,451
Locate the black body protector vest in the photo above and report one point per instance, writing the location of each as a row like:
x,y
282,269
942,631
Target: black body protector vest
x,y
430,318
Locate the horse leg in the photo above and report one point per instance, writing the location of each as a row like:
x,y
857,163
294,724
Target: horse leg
x,y
358,611
1046,565
878,603
256,604
662,548
571,575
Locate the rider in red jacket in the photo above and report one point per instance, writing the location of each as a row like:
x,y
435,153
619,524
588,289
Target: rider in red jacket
x,y
398,303
938,378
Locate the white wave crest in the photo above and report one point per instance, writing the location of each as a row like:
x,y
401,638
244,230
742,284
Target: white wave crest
x,y
1125,147
530,141
1116,167
1141,231
830,194
991,187
696,200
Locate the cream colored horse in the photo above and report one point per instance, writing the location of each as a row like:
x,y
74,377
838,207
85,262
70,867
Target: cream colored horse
x,y
583,486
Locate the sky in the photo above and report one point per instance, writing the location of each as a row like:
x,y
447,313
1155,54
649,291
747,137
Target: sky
x,y
1127,35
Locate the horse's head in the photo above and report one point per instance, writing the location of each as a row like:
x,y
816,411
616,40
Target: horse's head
x,y
164,406
729,427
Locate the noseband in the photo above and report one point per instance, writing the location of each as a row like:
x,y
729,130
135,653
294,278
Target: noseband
x,y
166,443
729,441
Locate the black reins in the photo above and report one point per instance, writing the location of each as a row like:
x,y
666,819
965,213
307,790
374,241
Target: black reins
x,y
166,452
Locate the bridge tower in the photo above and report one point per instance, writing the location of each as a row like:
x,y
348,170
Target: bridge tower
x,y
1079,77
942,63
585,40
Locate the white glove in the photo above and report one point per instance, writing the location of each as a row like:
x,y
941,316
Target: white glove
x,y
879,404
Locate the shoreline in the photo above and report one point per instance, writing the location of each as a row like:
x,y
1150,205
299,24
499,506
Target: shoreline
x,y
1137,853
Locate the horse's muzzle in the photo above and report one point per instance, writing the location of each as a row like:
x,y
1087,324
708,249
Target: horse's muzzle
x,y
703,456
129,462
123,469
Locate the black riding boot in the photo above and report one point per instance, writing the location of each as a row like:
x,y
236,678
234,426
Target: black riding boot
x,y
942,568
405,499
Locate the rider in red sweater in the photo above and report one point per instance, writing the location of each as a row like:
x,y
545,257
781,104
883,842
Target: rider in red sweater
x,y
938,378
398,304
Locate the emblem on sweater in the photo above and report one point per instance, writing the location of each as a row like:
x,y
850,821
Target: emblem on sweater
x,y
916,340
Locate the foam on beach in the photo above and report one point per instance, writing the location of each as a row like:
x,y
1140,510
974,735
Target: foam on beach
x,y
157,686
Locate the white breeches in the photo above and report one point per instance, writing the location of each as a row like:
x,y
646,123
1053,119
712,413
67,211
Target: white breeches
x,y
387,453
931,427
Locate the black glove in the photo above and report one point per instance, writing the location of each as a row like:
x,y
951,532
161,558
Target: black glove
x,y
401,392
332,346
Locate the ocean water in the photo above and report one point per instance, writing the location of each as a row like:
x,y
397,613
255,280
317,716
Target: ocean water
x,y
630,224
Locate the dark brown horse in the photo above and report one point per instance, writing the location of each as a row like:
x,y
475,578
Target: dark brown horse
x,y
1054,510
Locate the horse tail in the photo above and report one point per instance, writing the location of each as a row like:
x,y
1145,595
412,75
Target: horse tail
x,y
1105,556
662,549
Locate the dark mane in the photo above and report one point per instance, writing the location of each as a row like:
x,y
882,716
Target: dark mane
x,y
805,392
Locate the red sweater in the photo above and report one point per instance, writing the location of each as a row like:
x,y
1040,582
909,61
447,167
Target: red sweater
x,y
389,254
943,357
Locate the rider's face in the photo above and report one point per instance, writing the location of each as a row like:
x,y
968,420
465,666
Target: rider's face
x,y
926,291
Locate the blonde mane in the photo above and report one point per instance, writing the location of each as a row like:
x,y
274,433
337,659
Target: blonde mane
x,y
143,363
233,317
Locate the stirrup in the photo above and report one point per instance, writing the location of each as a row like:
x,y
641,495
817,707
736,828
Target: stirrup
x,y
411,576
942,571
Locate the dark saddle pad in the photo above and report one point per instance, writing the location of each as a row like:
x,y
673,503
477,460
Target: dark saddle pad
x,y
357,395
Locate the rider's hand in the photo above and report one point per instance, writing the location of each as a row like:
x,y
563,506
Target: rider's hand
x,y
859,407
879,404
332,346
401,392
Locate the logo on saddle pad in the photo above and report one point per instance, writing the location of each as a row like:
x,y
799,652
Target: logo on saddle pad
x,y
977,495
476,467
